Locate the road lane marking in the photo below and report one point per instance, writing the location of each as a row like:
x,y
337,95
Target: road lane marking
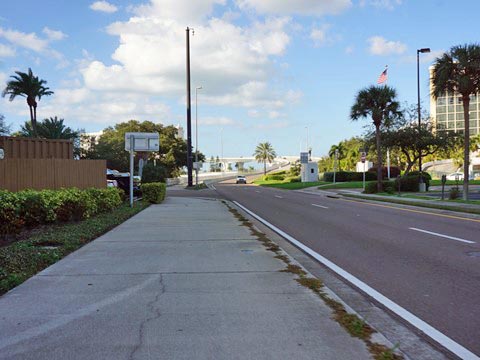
x,y
213,187
414,211
444,236
278,196
320,206
257,191
429,330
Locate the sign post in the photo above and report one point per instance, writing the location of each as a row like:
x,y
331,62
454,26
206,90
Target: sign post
x,y
363,158
139,142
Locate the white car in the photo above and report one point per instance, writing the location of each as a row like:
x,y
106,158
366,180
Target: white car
x,y
241,179
455,176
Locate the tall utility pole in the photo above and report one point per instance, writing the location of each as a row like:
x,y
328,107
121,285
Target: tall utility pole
x,y
424,50
196,132
189,116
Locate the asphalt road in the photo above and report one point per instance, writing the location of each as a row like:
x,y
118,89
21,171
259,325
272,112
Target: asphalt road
x,y
403,254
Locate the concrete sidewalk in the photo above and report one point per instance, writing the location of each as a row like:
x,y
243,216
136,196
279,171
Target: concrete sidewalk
x,y
181,280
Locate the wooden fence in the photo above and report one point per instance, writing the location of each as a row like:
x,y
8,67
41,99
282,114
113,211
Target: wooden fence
x,y
19,174
33,148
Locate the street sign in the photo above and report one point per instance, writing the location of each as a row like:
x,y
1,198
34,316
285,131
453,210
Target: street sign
x,y
142,141
304,158
363,157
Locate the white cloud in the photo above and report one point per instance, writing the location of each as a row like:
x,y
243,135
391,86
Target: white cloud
x,y
253,113
6,51
29,41
349,50
54,35
296,7
321,36
185,11
103,6
214,121
273,125
381,46
383,4
424,58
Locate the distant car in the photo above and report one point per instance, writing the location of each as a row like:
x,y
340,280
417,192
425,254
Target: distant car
x,y
241,179
455,176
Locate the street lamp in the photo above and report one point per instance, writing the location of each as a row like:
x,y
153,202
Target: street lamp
x,y
196,133
423,50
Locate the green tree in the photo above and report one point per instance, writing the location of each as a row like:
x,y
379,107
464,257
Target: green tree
x,y
29,86
111,146
4,128
264,153
458,71
379,103
340,150
212,164
51,128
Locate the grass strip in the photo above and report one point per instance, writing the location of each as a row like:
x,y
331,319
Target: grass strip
x,y
430,205
453,182
344,185
286,185
23,259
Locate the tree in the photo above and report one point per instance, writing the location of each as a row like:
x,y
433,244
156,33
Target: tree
x,y
458,71
29,86
4,128
379,103
264,152
111,146
340,151
427,142
51,128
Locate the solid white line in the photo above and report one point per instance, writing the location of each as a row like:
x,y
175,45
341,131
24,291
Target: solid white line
x,y
444,236
257,191
429,330
278,196
320,206
213,187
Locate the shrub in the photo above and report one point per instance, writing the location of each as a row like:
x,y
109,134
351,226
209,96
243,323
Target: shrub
x,y
342,176
387,186
293,179
275,177
154,192
106,199
411,183
10,222
394,171
454,193
37,207
152,173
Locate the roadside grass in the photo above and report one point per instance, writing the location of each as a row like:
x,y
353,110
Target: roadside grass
x,y
431,204
344,185
24,258
453,182
288,185
199,186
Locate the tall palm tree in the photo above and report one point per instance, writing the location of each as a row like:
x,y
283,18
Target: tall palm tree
x,y
458,71
379,103
264,152
30,87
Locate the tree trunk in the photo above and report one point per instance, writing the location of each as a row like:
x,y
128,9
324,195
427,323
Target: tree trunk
x,y
34,121
265,167
379,159
466,150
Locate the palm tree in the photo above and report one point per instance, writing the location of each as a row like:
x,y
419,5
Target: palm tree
x,y
52,128
379,103
458,71
30,87
340,149
264,152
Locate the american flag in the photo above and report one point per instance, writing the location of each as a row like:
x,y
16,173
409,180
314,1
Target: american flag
x,y
383,76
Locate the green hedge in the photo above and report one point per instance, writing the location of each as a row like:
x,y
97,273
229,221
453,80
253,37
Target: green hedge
x,y
280,177
30,208
387,186
343,176
154,192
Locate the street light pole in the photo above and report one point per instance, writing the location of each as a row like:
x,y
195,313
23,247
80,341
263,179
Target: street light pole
x,y
196,133
423,50
189,115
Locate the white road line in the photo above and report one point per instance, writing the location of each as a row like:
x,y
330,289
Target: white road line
x,y
429,330
444,236
213,187
257,191
320,206
278,196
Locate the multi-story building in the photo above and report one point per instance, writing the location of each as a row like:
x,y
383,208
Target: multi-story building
x,y
447,112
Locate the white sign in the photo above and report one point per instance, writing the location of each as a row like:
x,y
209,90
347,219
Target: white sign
x,y
2,154
142,141
197,165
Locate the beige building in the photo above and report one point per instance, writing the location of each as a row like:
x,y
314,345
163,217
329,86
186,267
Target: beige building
x,y
447,111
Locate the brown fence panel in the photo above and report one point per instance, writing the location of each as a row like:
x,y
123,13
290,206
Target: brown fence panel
x,y
19,174
33,148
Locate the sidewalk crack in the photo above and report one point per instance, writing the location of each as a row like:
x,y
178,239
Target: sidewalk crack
x,y
155,314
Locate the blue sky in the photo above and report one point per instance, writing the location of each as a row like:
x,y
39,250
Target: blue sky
x,y
269,69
